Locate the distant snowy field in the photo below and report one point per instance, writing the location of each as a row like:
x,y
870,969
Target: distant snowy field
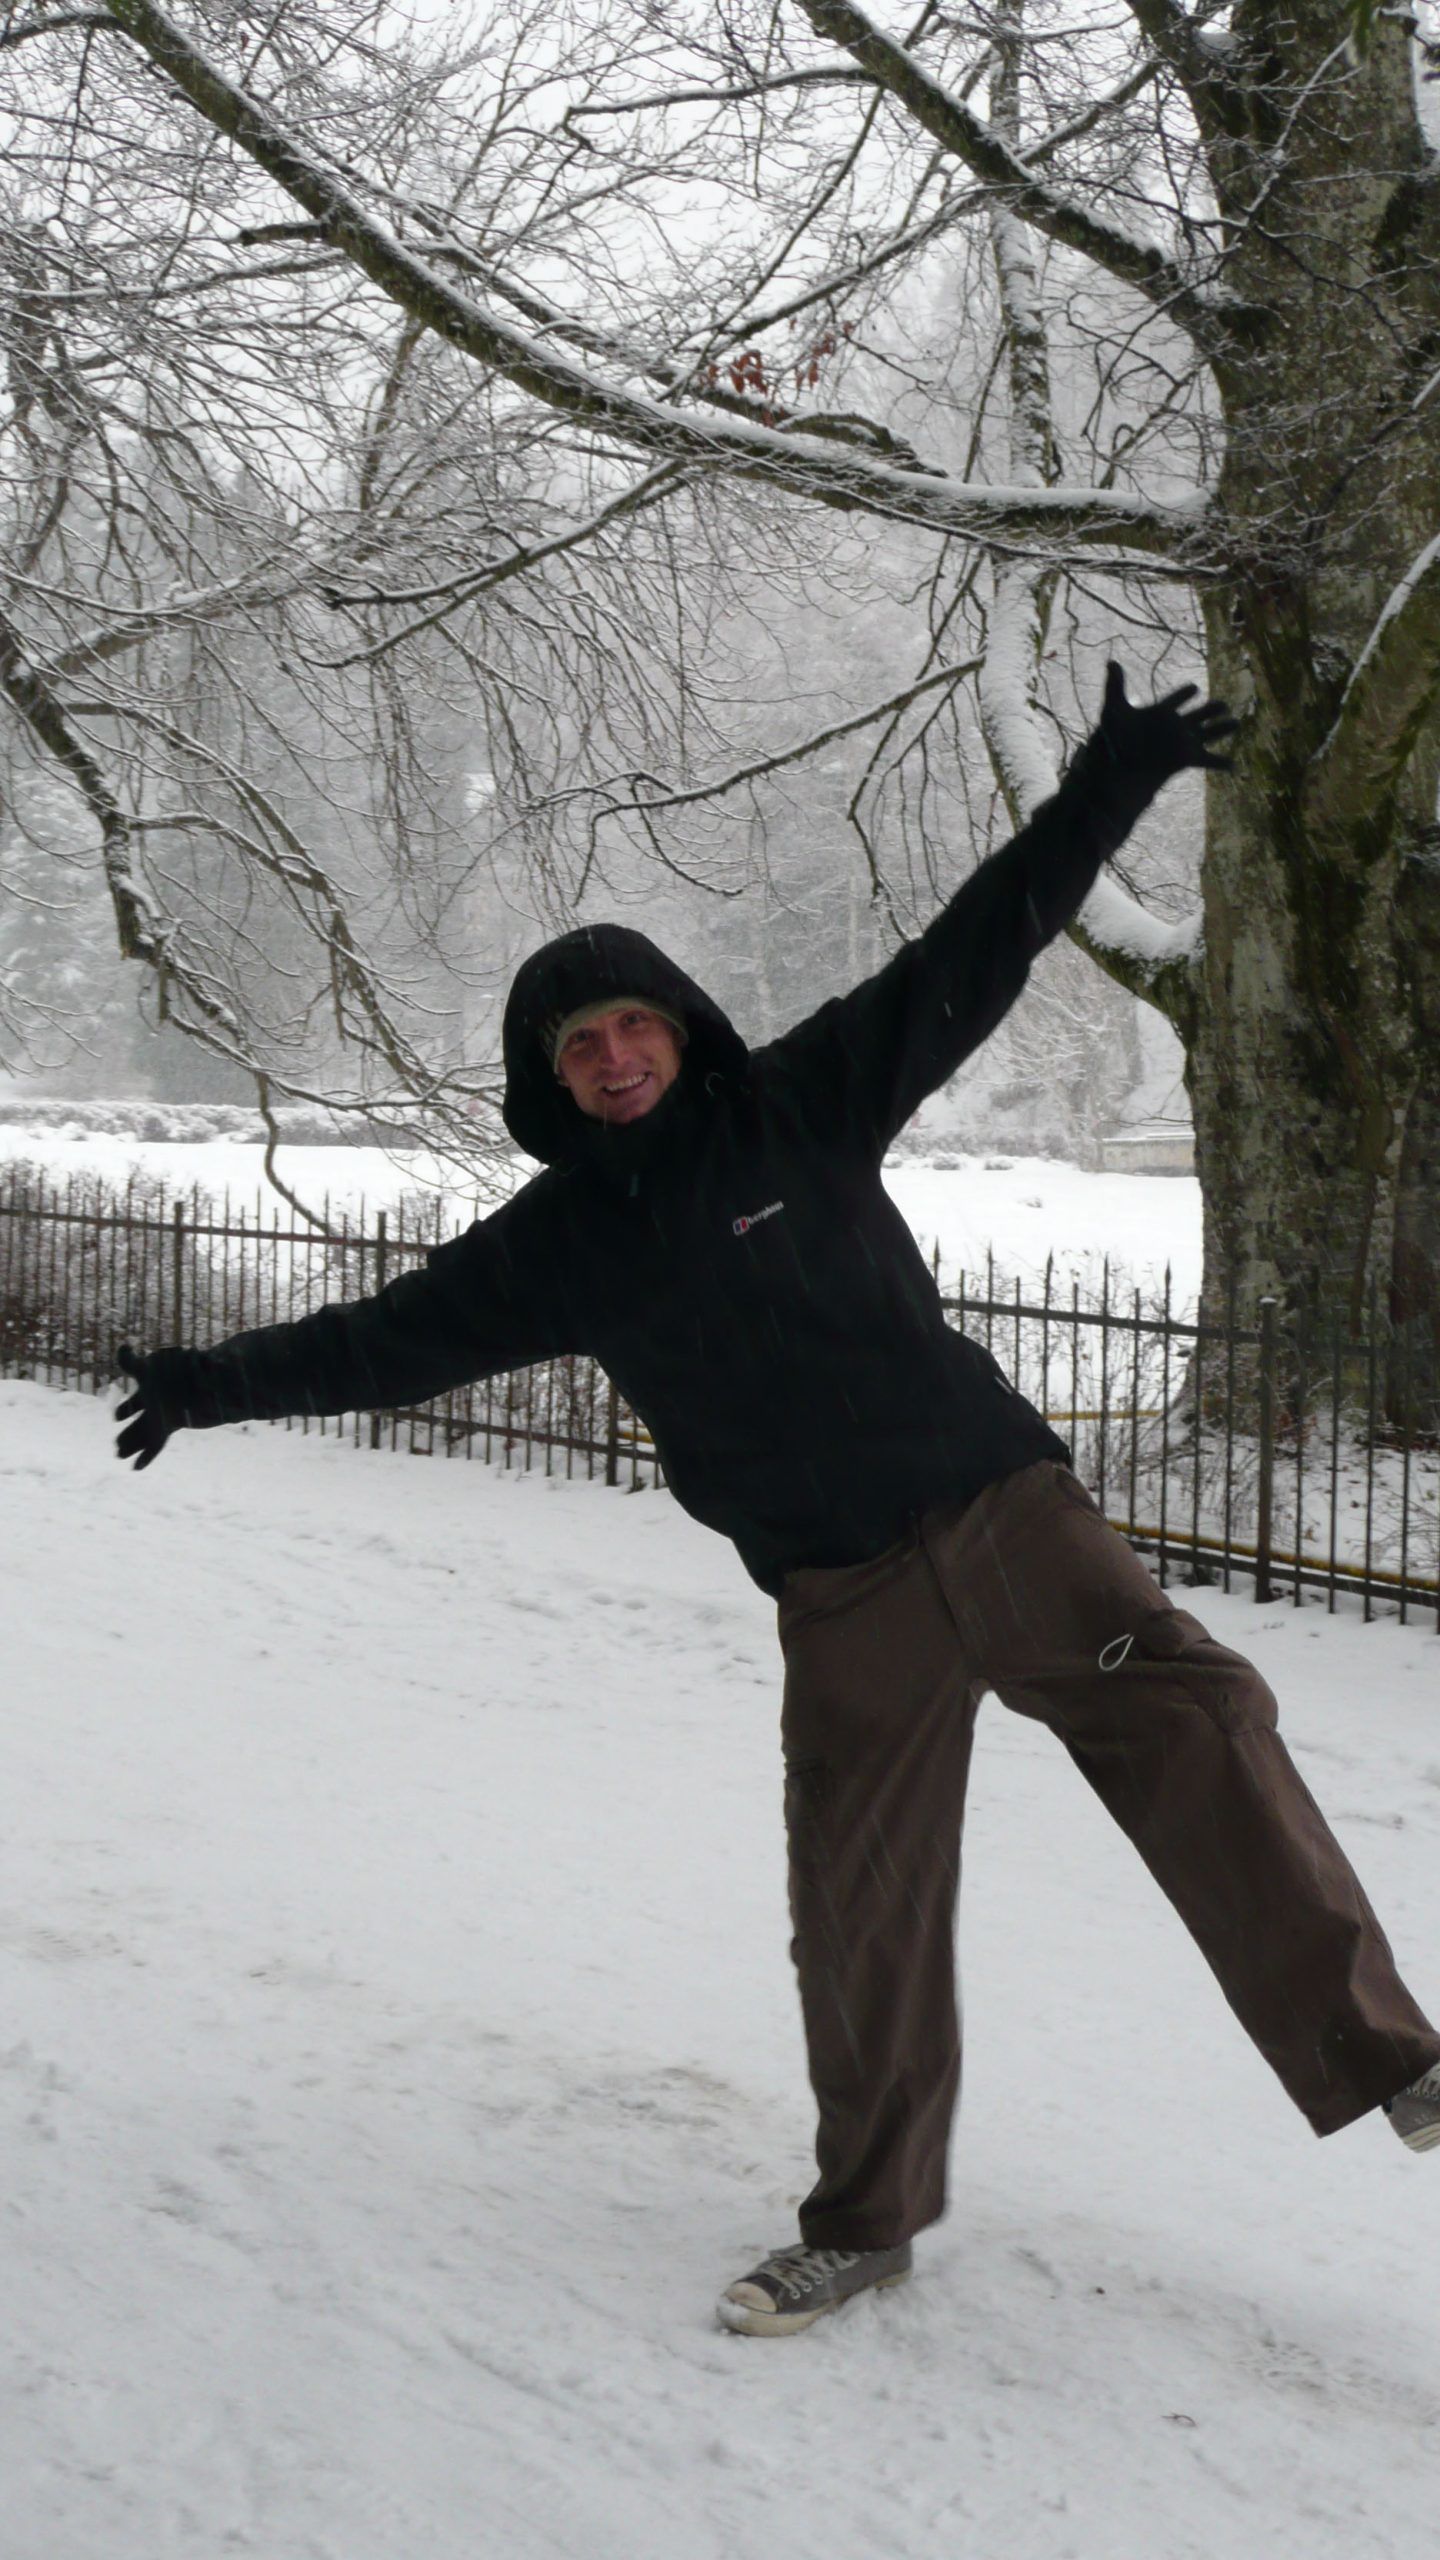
x,y
1020,1208
401,2051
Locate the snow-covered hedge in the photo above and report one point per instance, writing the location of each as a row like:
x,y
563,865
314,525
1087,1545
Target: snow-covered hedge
x,y
195,1123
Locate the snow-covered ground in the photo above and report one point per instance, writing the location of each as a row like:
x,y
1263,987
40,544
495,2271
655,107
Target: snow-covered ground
x,y
400,2051
1018,1208
1023,1209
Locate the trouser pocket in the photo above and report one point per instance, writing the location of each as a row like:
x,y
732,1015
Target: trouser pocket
x,y
809,1794
1230,1689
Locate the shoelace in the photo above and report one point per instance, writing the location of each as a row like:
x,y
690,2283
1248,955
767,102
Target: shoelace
x,y
798,2270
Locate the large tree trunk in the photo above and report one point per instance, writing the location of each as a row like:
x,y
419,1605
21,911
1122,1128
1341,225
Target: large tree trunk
x,y
1314,1049
1314,1032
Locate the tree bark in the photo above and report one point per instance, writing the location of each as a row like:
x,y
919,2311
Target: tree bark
x,y
1314,1046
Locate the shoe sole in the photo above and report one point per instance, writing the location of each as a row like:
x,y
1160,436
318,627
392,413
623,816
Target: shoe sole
x,y
1426,2137
745,2322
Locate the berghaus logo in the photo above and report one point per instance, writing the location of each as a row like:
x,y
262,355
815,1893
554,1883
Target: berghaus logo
x,y
742,1226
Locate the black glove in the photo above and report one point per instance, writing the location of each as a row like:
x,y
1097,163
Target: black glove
x,y
165,1400
1139,746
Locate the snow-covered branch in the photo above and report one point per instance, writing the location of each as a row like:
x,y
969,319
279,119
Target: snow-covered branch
x,y
1114,930
473,583
821,75
108,640
53,22
652,802
1140,951
191,990
144,934
1023,593
1392,685
913,235
609,407
1213,319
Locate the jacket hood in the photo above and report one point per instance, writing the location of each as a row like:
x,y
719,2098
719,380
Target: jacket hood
x,y
583,968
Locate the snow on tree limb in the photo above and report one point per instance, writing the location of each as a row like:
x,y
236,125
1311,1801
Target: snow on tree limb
x,y
1140,950
144,933
1393,683
108,640
938,679
1114,930
1018,746
1212,319
821,75
471,584
803,464
191,990
54,22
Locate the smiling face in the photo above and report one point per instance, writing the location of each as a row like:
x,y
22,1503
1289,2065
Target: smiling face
x,y
619,1063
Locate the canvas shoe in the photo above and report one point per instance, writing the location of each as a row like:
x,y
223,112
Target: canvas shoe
x,y
794,2286
1415,2114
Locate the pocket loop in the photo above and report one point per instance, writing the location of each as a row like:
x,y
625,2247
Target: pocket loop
x,y
1113,1654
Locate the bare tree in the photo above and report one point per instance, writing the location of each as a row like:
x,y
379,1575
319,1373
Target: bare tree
x,y
343,650
239,494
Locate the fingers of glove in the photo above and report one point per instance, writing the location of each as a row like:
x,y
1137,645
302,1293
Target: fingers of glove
x,y
1172,701
1214,717
1188,728
142,1441
127,1361
132,1404
1115,695
1204,729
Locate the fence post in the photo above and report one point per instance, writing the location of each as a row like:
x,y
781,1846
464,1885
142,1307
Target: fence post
x,y
612,1433
381,1238
1265,1488
177,1256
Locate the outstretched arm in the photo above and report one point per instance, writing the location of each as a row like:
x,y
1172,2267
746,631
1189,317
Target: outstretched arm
x,y
862,1064
486,1302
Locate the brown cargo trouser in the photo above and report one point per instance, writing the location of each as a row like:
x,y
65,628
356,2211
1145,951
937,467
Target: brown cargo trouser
x,y
1028,1591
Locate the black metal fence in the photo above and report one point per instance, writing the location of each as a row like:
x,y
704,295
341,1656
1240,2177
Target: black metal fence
x,y
85,1267
1231,1452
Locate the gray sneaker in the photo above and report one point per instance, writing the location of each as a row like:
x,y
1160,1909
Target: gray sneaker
x,y
794,2286
1415,2114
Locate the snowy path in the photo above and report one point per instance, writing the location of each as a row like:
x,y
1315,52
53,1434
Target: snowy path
x,y
399,2050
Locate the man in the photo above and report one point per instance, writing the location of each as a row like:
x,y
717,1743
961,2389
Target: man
x,y
711,1224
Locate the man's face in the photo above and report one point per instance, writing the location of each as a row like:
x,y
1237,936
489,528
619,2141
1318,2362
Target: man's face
x,y
619,1063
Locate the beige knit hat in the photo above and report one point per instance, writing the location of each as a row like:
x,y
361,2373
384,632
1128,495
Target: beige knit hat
x,y
584,1013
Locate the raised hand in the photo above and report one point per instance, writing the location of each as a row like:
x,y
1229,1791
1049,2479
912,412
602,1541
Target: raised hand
x,y
1157,739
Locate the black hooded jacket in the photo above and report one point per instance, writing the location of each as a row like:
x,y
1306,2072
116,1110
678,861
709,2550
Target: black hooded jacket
x,y
732,1259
